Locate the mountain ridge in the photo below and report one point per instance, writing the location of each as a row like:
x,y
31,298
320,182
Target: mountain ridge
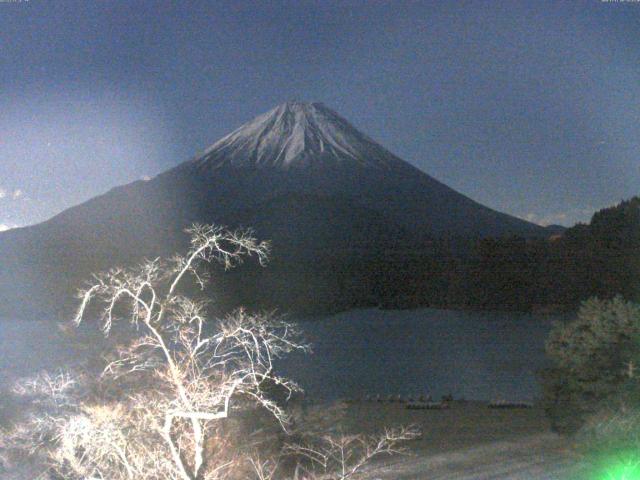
x,y
263,172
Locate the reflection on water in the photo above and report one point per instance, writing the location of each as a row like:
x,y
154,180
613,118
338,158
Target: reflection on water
x,y
410,352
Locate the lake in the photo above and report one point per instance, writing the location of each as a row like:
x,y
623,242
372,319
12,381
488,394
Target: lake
x,y
476,355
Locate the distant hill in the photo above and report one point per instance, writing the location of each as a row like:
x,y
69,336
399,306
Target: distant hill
x,y
598,259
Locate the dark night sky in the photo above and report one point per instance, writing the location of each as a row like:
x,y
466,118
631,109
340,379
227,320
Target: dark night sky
x,y
532,107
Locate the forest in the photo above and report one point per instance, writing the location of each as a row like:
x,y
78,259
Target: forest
x,y
552,274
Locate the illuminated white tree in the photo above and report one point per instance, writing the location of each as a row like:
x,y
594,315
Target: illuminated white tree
x,y
176,375
159,408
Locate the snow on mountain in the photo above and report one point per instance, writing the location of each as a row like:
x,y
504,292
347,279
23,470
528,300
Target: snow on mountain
x,y
297,135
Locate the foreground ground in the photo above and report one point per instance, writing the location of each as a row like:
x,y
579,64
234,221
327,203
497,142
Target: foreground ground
x,y
469,441
534,457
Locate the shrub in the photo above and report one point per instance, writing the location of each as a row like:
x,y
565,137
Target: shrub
x,y
594,358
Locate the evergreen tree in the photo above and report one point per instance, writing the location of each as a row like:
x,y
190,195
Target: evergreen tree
x,y
596,359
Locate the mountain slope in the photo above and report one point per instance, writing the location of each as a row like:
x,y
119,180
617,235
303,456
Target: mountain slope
x,y
293,172
308,148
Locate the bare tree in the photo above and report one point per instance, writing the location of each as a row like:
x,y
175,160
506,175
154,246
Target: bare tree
x,y
176,375
344,456
161,406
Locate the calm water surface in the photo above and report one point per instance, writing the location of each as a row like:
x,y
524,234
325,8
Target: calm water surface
x,y
476,355
410,352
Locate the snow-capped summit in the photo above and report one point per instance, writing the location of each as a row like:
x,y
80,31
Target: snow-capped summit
x,y
297,134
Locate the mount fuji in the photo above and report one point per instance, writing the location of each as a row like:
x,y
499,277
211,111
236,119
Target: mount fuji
x,y
300,174
308,149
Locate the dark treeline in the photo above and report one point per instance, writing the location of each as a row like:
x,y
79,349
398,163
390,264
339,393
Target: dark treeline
x,y
556,273
338,270
600,259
